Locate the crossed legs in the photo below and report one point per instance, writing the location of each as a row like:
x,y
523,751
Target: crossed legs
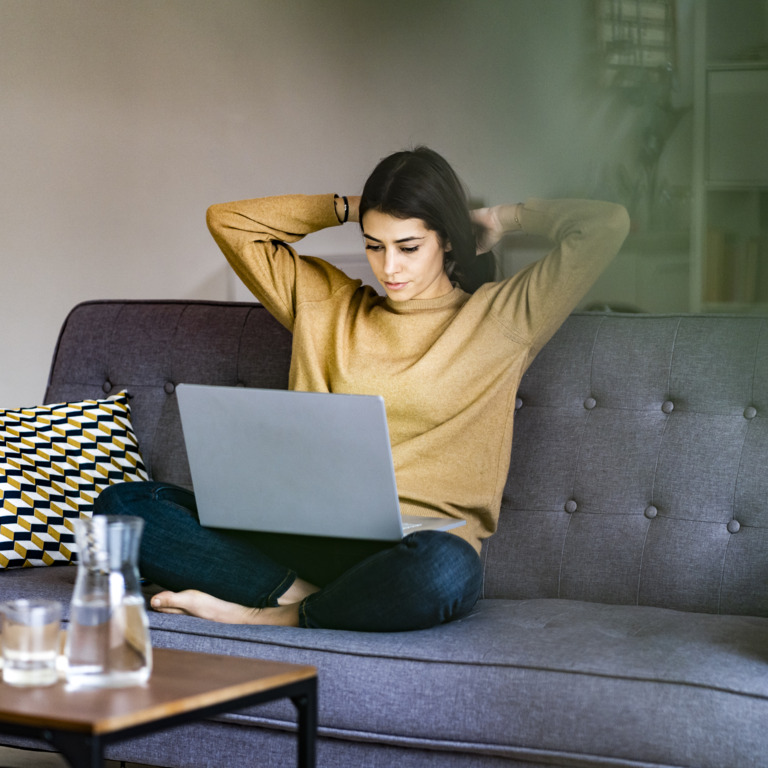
x,y
243,578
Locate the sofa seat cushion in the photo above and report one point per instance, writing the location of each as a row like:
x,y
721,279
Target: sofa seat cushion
x,y
539,680
555,681
548,680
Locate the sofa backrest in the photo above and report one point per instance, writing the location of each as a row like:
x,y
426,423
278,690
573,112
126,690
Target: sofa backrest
x,y
147,347
639,465
638,471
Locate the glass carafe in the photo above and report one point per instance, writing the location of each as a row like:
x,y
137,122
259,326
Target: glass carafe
x,y
108,643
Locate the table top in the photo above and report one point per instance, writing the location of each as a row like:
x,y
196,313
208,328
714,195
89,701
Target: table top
x,y
181,681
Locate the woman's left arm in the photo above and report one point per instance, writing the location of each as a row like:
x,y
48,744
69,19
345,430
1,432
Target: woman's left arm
x,y
495,222
587,235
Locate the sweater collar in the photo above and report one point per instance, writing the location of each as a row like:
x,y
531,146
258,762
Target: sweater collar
x,y
456,298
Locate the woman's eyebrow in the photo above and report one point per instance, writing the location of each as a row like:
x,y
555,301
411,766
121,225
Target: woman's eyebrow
x,y
401,240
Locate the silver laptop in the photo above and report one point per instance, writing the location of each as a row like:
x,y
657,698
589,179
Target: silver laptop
x,y
294,462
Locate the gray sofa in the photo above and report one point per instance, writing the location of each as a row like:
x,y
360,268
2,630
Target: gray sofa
x,y
623,616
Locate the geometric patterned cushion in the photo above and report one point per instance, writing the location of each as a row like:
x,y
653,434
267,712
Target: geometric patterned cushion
x,y
54,462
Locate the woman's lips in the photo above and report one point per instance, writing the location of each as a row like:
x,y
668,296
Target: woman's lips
x,y
395,286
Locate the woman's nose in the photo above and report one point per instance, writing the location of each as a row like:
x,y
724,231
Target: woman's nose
x,y
391,266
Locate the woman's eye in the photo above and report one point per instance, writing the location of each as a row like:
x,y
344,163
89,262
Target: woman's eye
x,y
410,248
371,247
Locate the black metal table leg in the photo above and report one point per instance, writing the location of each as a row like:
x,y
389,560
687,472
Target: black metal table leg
x,y
306,707
79,750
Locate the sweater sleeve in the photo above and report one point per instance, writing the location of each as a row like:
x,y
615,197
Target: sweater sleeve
x,y
254,236
587,234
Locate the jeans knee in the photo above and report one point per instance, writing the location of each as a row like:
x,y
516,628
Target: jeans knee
x,y
452,566
123,498
439,546
109,501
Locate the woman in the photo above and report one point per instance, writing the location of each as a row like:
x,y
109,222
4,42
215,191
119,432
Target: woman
x,y
445,354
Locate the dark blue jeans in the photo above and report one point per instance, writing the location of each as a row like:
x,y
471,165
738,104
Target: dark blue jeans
x,y
428,578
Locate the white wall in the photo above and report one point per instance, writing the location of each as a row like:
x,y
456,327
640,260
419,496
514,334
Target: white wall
x,y
120,122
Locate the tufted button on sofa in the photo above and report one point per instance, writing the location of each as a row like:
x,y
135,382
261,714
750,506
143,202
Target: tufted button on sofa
x,y
623,618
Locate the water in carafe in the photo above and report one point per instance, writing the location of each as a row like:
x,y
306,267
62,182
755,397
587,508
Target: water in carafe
x,y
108,643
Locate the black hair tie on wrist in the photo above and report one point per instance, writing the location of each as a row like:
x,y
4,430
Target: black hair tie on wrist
x,y
346,209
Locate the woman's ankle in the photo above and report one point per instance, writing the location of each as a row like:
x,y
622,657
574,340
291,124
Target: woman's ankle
x,y
297,592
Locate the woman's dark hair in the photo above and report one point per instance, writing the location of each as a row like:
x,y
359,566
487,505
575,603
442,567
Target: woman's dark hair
x,y
420,184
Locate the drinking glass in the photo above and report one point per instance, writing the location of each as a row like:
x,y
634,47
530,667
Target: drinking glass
x,y
30,641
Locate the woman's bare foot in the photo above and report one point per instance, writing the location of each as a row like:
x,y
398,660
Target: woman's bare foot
x,y
192,602
297,592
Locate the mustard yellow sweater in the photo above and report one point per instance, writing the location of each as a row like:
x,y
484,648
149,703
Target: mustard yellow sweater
x,y
448,368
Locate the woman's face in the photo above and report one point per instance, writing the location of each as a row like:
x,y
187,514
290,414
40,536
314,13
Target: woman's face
x,y
407,258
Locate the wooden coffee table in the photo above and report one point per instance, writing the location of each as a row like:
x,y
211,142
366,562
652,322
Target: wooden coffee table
x,y
184,686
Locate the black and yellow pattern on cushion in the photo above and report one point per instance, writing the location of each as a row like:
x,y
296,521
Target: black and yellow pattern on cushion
x,y
54,462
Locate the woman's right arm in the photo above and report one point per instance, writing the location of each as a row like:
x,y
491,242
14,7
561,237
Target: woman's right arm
x,y
347,208
254,236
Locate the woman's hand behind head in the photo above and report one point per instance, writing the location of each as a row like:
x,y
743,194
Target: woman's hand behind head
x,y
488,228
